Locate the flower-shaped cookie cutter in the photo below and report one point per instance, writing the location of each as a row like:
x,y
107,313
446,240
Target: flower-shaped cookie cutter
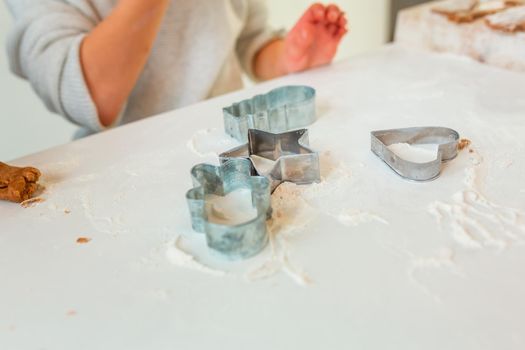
x,y
282,109
290,158
232,241
446,138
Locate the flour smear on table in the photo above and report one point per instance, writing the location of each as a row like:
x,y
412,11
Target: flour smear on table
x,y
473,220
294,207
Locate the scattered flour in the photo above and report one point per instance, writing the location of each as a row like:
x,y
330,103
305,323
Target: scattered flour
x,y
291,213
476,222
294,208
353,217
444,259
112,225
422,269
180,258
296,273
279,261
210,142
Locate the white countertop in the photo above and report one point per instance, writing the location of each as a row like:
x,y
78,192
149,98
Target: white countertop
x,y
365,261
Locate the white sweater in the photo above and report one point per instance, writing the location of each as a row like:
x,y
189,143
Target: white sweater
x,y
198,53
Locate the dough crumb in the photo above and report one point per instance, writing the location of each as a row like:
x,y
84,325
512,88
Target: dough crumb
x,y
83,240
464,143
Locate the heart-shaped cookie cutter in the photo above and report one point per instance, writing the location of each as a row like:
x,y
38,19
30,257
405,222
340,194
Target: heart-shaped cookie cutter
x,y
231,241
280,110
293,161
446,138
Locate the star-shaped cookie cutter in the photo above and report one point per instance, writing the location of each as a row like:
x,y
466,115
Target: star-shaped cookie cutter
x,y
446,138
232,241
287,154
282,109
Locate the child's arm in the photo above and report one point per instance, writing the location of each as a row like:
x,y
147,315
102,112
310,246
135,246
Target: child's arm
x,y
45,44
312,42
115,52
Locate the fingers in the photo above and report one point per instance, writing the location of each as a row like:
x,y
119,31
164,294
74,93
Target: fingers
x,y
332,14
332,29
319,21
336,21
316,13
342,20
340,33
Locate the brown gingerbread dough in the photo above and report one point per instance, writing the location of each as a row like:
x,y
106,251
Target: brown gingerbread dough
x,y
463,143
17,184
466,11
510,21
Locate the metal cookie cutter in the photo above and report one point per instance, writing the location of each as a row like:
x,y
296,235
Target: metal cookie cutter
x,y
446,138
280,157
282,109
232,241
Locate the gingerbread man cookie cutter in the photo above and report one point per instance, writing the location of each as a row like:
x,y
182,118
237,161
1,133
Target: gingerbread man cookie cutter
x,y
288,155
446,138
280,110
231,241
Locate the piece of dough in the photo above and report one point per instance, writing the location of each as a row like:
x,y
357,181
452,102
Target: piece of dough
x,y
512,20
17,184
515,2
454,8
466,11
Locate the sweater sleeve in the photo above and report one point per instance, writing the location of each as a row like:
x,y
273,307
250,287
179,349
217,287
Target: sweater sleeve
x,y
255,35
43,47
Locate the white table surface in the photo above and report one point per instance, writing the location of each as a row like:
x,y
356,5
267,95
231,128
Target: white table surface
x,y
382,271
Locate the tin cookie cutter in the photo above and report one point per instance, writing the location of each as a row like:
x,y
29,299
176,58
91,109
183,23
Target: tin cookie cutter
x,y
446,138
232,241
282,109
283,157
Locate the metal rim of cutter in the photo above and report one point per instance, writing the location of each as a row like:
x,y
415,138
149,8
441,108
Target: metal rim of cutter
x,y
283,109
446,138
294,160
231,241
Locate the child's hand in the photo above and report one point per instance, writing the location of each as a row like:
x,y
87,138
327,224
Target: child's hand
x,y
313,41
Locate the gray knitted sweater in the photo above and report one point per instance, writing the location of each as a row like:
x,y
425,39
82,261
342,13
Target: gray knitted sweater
x,y
199,52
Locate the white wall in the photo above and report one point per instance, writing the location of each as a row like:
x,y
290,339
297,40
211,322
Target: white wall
x,y
27,127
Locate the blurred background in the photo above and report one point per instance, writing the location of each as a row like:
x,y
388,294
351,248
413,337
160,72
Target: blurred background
x,y
27,127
